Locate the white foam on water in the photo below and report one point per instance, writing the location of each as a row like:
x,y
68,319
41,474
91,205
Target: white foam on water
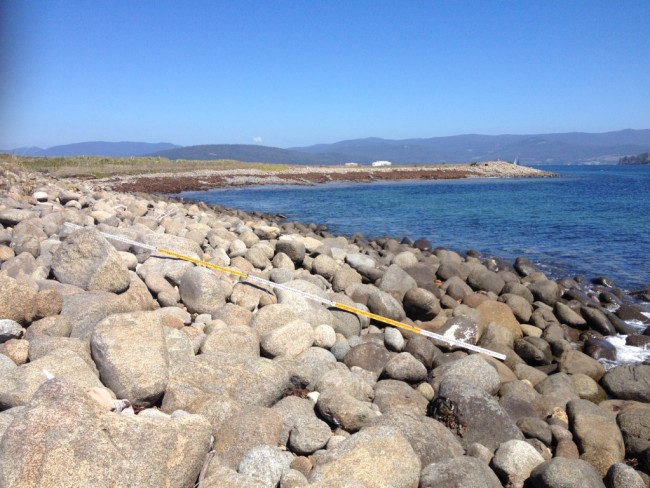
x,y
626,354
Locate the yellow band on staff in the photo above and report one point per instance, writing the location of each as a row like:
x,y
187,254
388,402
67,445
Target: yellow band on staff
x,y
202,263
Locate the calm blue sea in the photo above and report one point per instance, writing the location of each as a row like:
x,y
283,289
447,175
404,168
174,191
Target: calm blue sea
x,y
593,221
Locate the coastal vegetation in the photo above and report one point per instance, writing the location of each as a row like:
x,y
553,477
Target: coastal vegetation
x,y
103,167
643,158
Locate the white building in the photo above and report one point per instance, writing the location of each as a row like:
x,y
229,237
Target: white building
x,y
382,163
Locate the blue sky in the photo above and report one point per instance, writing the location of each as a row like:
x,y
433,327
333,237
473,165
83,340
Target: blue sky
x,y
293,73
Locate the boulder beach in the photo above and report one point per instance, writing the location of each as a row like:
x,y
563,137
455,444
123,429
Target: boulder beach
x,y
120,366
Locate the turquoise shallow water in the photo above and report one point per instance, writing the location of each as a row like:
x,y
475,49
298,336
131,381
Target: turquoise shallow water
x,y
594,220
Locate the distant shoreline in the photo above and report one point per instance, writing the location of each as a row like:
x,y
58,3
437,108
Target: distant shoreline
x,y
169,183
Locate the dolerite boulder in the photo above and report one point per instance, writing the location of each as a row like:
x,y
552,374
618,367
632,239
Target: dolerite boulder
x,y
472,369
87,260
17,301
14,216
634,422
430,440
421,304
513,462
500,314
85,310
266,463
396,282
392,396
628,382
486,422
18,386
203,291
303,431
73,442
244,430
621,475
597,320
369,356
598,437
10,329
292,248
547,291
340,408
355,459
566,315
247,380
561,472
289,340
303,308
235,338
575,362
482,278
131,353
404,367
458,472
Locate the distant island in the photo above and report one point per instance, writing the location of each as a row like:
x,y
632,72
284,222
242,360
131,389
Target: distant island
x,y
643,158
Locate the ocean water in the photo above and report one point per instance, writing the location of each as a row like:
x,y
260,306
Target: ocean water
x,y
591,221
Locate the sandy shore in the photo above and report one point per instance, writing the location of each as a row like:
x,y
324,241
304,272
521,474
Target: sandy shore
x,y
301,175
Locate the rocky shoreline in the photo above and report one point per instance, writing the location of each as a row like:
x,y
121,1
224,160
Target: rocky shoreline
x,y
122,367
167,183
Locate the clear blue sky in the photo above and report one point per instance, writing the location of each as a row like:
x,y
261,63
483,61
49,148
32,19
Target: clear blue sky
x,y
292,73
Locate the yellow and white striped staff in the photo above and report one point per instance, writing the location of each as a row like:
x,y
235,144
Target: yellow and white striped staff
x,y
309,296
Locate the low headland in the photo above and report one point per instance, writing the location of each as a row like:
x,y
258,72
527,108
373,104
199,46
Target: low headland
x,y
120,366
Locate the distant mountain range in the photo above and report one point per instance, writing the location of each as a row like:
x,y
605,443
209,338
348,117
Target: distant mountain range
x,y
97,148
536,149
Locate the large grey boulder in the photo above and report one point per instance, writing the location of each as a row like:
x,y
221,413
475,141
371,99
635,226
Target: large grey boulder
x,y
303,432
404,367
18,386
341,379
292,248
472,369
267,463
430,440
458,472
392,396
341,408
87,260
634,422
74,442
10,329
486,422
384,304
247,380
628,382
43,345
231,338
204,291
244,430
17,301
397,282
561,472
547,291
597,435
131,354
514,461
421,304
304,308
355,459
481,278
288,340
85,310
500,314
